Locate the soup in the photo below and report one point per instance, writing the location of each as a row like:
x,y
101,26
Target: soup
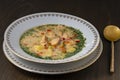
x,y
52,41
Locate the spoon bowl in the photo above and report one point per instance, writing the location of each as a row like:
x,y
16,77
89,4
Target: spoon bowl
x,y
112,33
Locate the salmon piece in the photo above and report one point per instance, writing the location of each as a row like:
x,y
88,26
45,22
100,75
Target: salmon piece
x,y
43,40
55,41
65,35
50,34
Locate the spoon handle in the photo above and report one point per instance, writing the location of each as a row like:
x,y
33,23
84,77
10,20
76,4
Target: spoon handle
x,y
112,58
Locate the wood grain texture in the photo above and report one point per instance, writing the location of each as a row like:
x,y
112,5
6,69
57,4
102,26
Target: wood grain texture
x,y
99,12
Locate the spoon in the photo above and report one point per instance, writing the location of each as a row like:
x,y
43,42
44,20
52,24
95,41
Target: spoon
x,y
112,33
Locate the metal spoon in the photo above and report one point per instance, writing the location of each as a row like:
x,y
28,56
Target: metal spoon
x,y
112,33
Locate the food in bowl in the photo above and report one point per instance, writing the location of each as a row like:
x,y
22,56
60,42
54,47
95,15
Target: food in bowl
x,y
52,41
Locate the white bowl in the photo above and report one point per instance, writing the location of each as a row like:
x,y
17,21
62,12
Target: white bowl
x,y
18,27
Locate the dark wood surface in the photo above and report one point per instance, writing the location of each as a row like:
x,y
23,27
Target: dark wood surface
x,y
99,12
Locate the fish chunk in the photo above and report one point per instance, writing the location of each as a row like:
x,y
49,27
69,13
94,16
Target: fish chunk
x,y
55,41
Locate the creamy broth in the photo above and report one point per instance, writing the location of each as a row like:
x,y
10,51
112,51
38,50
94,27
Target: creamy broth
x,y
52,41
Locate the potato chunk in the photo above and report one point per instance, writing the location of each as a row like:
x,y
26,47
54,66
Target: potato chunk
x,y
71,49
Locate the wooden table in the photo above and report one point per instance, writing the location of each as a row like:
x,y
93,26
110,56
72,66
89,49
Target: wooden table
x,y
99,12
